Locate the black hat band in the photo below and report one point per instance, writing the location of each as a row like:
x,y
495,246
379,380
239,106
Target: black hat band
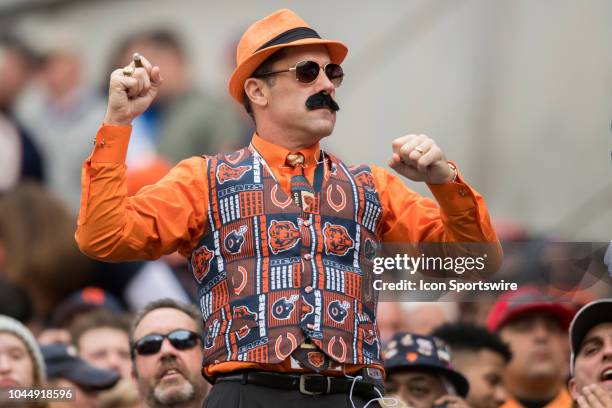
x,y
289,36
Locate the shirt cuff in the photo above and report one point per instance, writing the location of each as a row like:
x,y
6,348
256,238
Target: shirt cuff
x,y
111,144
454,197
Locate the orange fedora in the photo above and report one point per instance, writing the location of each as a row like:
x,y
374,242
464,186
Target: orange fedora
x,y
283,28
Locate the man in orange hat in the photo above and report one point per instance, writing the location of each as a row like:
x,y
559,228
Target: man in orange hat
x,y
281,236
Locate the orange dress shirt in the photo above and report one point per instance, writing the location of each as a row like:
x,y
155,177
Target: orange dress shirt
x,y
170,215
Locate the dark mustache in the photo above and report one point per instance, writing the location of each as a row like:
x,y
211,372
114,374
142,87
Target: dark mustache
x,y
322,100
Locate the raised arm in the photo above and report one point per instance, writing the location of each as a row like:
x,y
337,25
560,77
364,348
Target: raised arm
x,y
458,215
167,216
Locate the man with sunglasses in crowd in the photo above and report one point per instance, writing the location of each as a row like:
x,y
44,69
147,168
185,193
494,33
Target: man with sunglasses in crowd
x,y
281,236
167,355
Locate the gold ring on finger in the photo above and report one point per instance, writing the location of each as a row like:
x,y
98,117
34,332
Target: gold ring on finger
x,y
418,149
128,70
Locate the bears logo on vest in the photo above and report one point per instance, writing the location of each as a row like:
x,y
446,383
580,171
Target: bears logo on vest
x,y
277,346
342,204
200,262
226,173
244,277
243,312
316,358
337,311
234,240
367,180
283,235
330,349
337,239
282,308
276,201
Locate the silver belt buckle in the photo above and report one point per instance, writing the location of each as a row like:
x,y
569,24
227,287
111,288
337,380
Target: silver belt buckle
x,y
303,390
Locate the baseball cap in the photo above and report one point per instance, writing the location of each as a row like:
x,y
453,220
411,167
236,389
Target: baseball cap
x,y
527,300
62,362
592,314
84,300
407,351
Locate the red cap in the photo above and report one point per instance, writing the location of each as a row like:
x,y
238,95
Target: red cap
x,y
528,299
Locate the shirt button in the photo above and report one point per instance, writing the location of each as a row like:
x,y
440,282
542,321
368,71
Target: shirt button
x,y
307,223
308,289
310,326
462,192
307,257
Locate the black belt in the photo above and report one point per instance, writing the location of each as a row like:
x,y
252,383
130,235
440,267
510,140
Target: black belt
x,y
308,384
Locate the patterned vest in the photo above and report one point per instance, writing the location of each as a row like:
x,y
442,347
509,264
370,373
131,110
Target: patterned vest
x,y
271,275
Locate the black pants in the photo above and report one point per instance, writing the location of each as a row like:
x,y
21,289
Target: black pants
x,y
229,394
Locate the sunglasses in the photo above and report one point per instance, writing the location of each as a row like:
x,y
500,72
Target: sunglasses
x,y
151,343
308,71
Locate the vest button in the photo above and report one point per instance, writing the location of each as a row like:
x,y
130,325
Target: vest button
x,y
307,257
310,326
308,289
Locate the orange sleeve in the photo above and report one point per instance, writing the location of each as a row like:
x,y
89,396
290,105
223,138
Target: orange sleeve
x,y
460,215
161,218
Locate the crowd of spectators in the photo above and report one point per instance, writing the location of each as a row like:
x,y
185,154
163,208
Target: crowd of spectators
x,y
523,357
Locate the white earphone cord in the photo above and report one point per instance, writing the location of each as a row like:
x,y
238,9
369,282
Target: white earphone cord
x,y
392,401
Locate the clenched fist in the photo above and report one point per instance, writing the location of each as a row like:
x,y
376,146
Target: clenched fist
x,y
418,158
131,91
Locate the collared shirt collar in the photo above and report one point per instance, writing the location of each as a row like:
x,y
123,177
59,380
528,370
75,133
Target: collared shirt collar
x,y
275,155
